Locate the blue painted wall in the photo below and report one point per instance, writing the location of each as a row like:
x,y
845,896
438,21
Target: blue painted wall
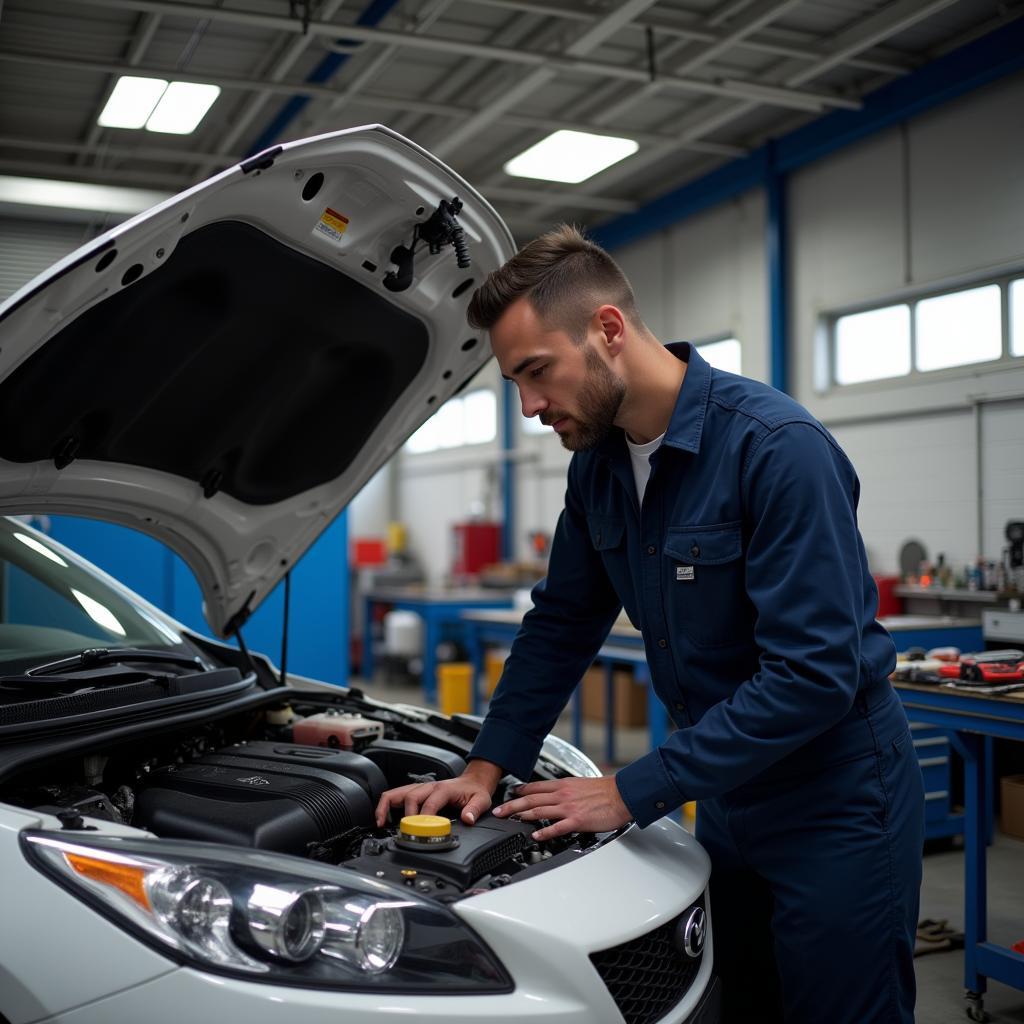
x,y
318,633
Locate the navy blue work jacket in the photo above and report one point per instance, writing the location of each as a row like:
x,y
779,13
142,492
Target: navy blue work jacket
x,y
746,574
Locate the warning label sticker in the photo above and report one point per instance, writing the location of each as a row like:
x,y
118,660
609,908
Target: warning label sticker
x,y
331,224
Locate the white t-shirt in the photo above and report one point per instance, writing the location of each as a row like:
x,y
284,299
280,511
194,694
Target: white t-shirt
x,y
640,456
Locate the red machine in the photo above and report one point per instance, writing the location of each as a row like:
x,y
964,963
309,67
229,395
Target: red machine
x,y
477,544
987,667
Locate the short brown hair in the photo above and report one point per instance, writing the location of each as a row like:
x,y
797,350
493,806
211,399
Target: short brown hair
x,y
564,275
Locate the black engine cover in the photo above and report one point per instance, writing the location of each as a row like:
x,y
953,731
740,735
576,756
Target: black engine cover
x,y
232,797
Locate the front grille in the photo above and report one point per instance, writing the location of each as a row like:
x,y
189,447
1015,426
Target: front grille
x,y
649,975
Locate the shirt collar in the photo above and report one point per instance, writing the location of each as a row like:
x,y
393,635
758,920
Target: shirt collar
x,y
687,422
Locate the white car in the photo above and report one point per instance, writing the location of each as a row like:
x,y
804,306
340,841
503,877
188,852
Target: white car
x,y
185,835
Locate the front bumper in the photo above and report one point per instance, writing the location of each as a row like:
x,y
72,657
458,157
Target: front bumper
x,y
709,1009
543,929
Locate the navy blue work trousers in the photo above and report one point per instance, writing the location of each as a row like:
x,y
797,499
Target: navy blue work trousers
x,y
815,881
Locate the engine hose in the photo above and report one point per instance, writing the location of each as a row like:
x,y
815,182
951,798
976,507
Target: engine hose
x,y
462,257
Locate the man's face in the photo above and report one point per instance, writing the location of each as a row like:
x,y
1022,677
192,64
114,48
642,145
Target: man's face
x,y
568,386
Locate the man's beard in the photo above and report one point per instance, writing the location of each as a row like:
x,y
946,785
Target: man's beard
x,y
598,401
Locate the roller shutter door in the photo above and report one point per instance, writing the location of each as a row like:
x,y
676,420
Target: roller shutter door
x,y
28,247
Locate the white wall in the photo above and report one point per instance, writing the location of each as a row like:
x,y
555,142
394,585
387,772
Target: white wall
x,y
436,489
370,511
934,203
931,204
706,278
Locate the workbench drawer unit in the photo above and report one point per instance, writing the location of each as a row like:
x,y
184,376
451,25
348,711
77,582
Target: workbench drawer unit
x,y
932,748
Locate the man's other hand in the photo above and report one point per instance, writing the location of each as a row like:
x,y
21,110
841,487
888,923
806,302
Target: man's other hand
x,y
471,791
573,805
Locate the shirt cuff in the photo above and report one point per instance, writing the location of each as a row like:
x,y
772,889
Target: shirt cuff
x,y
513,749
647,790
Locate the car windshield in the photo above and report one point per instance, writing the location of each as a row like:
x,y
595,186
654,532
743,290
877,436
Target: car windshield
x,y
51,604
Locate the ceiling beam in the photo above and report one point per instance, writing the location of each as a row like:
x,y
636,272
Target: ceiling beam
x,y
293,49
862,33
761,14
386,102
592,38
799,99
750,20
702,34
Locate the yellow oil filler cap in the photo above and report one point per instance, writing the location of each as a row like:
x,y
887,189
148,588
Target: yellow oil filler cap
x,y
426,832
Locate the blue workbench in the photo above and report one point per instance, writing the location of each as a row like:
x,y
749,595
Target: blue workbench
x,y
972,720
929,631
439,608
931,744
624,646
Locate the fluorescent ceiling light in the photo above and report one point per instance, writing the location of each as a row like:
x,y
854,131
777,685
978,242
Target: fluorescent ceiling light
x,y
175,108
570,156
131,102
182,107
17,193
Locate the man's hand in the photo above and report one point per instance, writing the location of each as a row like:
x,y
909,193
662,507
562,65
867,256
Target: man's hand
x,y
574,805
471,791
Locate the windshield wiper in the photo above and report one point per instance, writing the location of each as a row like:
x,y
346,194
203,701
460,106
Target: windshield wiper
x,y
92,657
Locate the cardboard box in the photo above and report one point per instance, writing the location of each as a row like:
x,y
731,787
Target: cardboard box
x,y
630,697
1012,796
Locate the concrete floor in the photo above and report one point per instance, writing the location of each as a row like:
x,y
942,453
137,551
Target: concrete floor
x,y
939,975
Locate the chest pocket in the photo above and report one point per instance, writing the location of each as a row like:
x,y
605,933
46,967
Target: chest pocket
x,y
606,532
608,535
705,594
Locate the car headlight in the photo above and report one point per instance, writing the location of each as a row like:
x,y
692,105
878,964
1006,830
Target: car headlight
x,y
269,917
571,758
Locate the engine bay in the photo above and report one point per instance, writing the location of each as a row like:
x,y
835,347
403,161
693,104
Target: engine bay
x,y
302,778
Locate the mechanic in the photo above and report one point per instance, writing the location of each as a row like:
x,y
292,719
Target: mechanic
x,y
721,516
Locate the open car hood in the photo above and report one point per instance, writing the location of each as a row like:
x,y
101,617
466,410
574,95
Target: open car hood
x,y
225,371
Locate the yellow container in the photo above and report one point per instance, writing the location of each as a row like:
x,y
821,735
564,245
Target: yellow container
x,y
494,665
455,688
397,538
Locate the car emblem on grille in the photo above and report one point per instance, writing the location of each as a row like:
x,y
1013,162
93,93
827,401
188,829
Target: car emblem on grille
x,y
690,934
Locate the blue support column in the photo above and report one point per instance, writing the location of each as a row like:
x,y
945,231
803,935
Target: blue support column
x,y
778,279
508,470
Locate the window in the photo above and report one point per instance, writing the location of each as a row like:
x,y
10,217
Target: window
x,y
1017,317
467,419
872,345
722,355
929,332
959,328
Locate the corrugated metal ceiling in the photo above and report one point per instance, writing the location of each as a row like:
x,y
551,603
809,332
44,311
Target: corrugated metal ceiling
x,y
465,78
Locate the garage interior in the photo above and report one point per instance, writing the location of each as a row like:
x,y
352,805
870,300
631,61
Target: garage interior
x,y
824,195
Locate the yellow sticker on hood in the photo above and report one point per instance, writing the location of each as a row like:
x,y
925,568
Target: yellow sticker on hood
x,y
331,224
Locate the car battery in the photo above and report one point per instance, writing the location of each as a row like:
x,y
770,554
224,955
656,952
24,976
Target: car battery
x,y
336,729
